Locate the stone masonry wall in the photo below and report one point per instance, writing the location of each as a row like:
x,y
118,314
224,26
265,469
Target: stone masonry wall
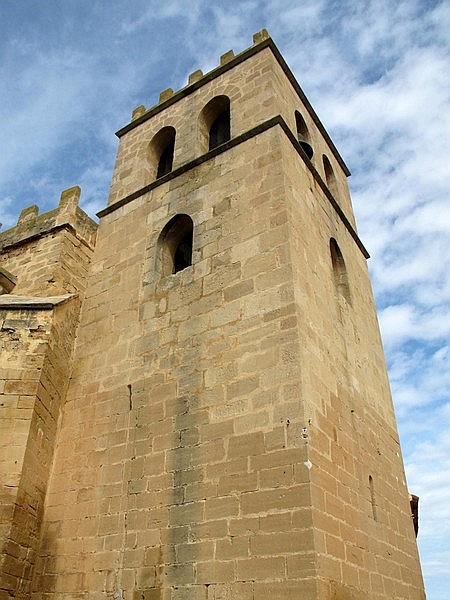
x,y
175,462
196,448
252,102
365,546
228,430
35,359
35,363
287,103
258,90
49,253
24,339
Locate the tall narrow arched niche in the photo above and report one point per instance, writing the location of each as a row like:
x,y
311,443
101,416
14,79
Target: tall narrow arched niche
x,y
330,177
339,271
214,123
303,136
160,152
175,245
372,498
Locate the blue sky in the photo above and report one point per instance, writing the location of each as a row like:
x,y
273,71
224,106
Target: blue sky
x,y
377,73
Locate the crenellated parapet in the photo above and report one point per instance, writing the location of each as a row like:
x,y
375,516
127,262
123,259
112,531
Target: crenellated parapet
x,y
198,75
32,225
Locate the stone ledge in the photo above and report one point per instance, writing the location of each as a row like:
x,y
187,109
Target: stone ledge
x,y
9,301
243,137
223,68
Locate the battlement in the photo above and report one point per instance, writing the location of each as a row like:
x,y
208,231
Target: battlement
x,y
196,76
32,225
252,91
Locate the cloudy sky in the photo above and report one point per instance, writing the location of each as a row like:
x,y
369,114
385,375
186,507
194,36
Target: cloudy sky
x,y
377,73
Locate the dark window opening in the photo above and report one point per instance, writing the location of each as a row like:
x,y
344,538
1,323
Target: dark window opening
x,y
160,152
414,503
166,160
183,254
303,136
214,124
175,243
219,132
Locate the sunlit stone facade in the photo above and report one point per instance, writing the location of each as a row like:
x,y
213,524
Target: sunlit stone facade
x,y
195,404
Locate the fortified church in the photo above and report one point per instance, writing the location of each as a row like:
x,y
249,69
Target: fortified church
x,y
193,395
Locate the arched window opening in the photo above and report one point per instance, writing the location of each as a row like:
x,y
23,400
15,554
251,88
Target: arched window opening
x,y
330,177
303,136
161,151
166,160
372,498
219,132
414,503
215,123
339,271
175,244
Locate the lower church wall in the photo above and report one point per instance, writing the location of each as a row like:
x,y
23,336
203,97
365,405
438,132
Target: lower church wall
x,y
34,367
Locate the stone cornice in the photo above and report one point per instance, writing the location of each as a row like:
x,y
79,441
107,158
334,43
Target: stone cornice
x,y
273,122
240,58
9,302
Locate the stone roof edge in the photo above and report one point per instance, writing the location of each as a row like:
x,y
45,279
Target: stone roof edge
x,y
30,237
237,60
12,302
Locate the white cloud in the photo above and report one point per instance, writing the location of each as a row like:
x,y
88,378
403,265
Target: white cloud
x,y
402,323
9,212
41,109
157,11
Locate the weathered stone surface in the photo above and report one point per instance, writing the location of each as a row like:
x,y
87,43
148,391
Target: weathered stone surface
x,y
7,281
225,58
10,301
210,432
195,76
37,332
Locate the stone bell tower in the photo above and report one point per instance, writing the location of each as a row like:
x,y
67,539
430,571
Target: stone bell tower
x,y
228,430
